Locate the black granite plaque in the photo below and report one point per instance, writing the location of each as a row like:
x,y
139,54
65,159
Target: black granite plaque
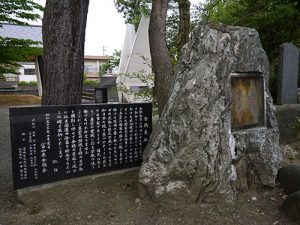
x,y
51,143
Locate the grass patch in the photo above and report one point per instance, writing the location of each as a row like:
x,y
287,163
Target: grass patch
x,y
17,99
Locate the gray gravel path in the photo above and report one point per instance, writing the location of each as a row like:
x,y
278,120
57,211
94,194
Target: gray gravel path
x,y
6,185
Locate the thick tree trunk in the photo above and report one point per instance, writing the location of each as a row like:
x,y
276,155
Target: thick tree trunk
x,y
64,26
161,63
184,23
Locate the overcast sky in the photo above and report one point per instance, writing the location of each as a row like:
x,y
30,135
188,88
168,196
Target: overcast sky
x,y
105,27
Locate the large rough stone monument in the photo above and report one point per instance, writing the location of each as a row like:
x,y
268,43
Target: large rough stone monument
x,y
218,132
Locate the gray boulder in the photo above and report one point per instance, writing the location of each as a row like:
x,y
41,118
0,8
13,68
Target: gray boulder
x,y
291,206
289,178
194,155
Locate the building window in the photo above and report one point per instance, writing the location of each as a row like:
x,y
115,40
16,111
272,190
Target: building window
x,y
29,71
90,69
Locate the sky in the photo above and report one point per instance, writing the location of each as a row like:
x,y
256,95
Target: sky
x,y
105,28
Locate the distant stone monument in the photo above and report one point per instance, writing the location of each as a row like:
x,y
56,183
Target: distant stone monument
x,y
218,132
125,55
135,62
288,74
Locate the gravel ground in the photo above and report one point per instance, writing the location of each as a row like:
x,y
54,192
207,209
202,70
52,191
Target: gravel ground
x,y
113,199
6,185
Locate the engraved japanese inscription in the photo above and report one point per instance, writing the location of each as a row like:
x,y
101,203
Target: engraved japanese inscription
x,y
52,143
247,101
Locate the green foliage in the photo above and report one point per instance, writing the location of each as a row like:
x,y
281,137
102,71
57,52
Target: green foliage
x,y
172,29
277,21
27,84
15,50
144,93
87,82
147,92
273,80
133,10
18,11
111,64
296,125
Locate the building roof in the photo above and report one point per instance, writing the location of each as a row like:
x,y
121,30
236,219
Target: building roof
x,y
31,32
34,33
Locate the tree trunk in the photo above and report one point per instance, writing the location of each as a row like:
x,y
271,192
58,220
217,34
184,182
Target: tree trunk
x,y
184,23
161,63
64,26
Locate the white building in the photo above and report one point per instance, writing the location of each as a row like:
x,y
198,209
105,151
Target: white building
x,y
27,72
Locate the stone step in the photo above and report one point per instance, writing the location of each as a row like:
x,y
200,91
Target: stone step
x,y
88,95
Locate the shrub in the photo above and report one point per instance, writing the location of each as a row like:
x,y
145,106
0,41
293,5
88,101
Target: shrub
x,y
28,84
296,124
91,82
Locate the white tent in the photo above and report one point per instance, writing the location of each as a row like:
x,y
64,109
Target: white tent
x,y
137,62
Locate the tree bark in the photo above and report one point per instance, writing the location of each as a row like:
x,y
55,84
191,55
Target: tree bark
x,y
64,26
161,63
184,23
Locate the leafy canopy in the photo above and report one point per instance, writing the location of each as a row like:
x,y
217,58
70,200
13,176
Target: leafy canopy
x,y
18,11
134,9
111,64
15,50
277,21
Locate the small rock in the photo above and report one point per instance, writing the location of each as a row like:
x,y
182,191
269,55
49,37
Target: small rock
x,y
272,198
90,216
283,197
276,222
289,178
291,206
138,201
254,199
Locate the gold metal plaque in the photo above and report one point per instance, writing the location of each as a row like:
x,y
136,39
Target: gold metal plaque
x,y
248,101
